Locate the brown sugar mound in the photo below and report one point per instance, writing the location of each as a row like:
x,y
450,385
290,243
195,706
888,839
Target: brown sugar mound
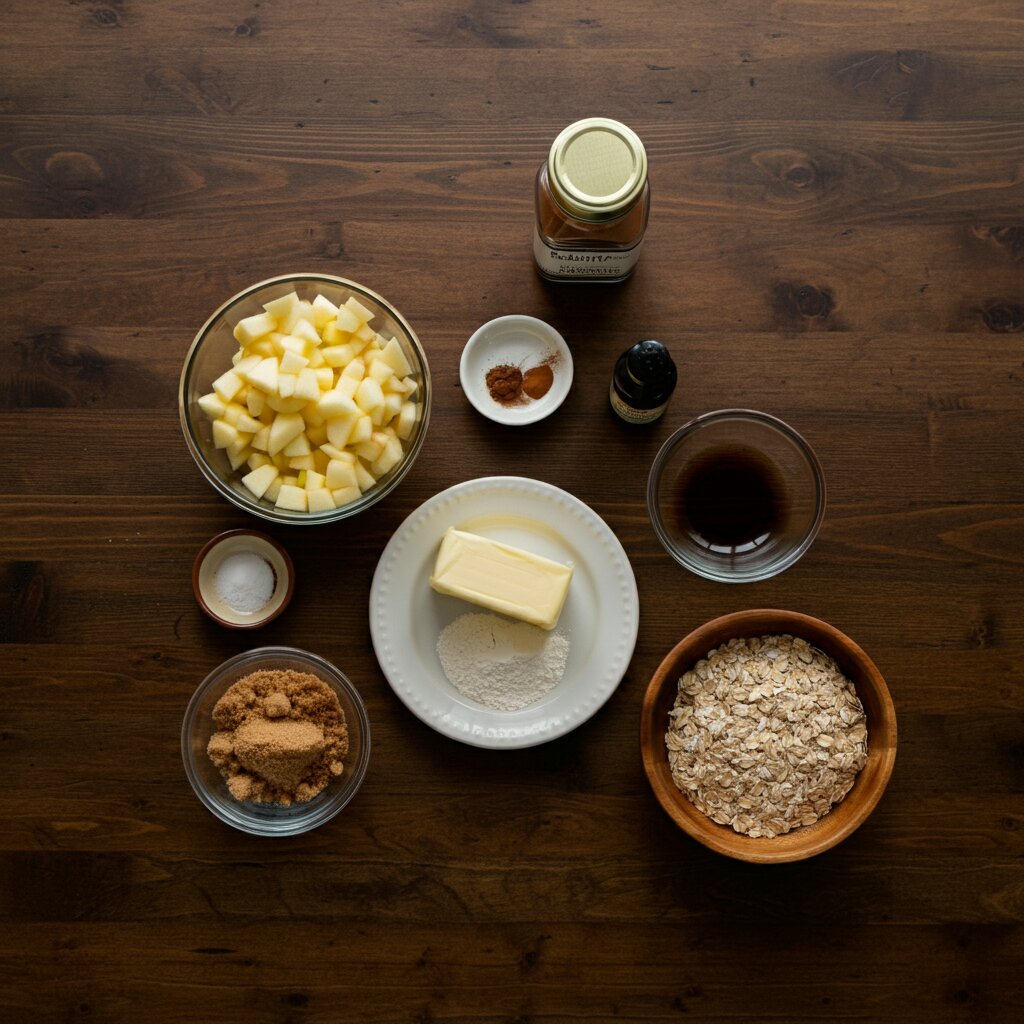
x,y
281,737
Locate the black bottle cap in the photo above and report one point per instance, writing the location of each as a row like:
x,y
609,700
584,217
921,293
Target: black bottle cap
x,y
649,364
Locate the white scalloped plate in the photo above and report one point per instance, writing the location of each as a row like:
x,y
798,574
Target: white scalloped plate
x,y
601,614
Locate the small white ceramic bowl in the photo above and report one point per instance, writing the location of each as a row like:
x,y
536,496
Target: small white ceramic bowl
x,y
213,553
522,341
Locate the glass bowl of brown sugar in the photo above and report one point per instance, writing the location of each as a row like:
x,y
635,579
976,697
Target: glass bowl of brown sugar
x,y
275,741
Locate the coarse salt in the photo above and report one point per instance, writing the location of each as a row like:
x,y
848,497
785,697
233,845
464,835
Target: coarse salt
x,y
244,582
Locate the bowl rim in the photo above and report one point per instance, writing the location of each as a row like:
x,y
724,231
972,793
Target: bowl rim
x,y
691,427
267,539
283,516
321,813
721,838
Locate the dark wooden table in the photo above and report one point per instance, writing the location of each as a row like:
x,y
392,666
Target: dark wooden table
x,y
836,238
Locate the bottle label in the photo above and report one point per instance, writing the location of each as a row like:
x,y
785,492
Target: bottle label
x,y
631,415
583,263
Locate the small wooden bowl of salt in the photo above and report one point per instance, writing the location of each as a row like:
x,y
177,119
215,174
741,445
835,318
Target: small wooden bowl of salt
x,y
243,579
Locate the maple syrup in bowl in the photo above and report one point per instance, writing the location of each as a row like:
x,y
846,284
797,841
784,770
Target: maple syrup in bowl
x,y
736,496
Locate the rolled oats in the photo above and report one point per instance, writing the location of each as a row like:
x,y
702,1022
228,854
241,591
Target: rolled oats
x,y
766,734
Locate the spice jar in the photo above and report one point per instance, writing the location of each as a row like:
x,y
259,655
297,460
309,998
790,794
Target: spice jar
x,y
592,201
642,382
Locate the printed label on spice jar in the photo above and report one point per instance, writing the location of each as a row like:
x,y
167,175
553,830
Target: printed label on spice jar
x,y
631,415
583,263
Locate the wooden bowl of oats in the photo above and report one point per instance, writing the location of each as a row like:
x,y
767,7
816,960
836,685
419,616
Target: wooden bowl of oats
x,y
768,735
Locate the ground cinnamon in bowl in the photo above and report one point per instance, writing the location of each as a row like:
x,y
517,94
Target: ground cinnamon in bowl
x,y
510,385
537,380
504,383
281,737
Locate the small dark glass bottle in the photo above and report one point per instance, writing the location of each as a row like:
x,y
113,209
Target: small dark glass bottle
x,y
643,382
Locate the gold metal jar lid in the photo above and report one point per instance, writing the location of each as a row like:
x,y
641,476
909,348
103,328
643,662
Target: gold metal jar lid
x,y
597,168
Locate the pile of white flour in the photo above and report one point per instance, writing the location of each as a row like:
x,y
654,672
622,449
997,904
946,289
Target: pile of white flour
x,y
501,664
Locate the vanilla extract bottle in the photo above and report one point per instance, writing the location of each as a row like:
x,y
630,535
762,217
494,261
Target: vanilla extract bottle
x,y
642,382
592,202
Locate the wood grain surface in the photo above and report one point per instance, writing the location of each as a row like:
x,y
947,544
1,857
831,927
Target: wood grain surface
x,y
837,238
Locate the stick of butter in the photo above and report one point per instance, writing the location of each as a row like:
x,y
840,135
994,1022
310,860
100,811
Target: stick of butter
x,y
501,577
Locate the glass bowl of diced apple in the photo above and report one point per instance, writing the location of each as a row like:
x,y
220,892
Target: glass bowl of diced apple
x,y
305,398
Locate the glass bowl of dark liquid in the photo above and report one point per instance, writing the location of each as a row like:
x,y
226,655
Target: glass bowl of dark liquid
x,y
736,496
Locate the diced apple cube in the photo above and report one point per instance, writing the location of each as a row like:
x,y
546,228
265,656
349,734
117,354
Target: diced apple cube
x,y
292,498
273,490
227,385
369,396
314,480
364,477
317,434
389,458
232,412
286,384
237,457
324,376
246,423
332,335
410,386
311,415
280,309
347,386
223,434
339,430
302,310
371,449
264,375
307,332
319,500
343,495
306,386
341,454
253,327
316,359
365,334
243,366
261,439
361,431
262,348
255,401
212,405
358,310
284,429
380,371
300,346
297,446
292,362
406,420
395,358
301,462
260,479
341,355
340,474
392,407
324,311
356,369
240,443
291,404
348,320
333,404
258,459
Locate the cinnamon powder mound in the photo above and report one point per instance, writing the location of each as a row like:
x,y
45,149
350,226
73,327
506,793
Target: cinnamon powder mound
x,y
281,737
